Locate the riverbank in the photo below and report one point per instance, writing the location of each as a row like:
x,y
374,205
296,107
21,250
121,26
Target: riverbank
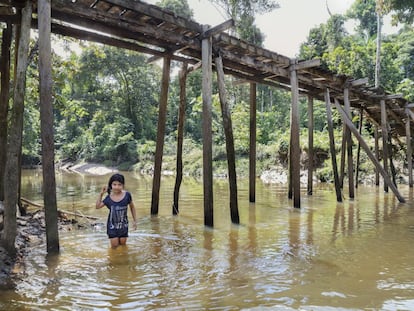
x,y
31,232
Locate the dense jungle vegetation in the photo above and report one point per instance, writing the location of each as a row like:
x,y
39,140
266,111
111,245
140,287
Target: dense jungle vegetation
x,y
106,99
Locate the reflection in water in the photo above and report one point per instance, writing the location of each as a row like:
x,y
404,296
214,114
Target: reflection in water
x,y
353,255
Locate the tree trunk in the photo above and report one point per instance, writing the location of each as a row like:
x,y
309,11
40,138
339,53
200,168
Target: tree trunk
x,y
15,134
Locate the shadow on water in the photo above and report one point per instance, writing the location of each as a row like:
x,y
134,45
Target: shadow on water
x,y
354,255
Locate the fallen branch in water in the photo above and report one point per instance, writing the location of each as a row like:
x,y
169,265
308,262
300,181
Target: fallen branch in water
x,y
77,214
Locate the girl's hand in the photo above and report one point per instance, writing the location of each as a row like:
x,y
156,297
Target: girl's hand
x,y
134,225
104,189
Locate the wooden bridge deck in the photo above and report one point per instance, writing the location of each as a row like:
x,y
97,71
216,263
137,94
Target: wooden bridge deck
x,y
148,29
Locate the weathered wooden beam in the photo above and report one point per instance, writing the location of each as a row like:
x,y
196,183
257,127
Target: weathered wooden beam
x,y
332,145
409,155
359,82
4,101
294,150
15,135
159,148
157,12
368,151
217,29
348,139
252,145
310,145
228,132
207,131
46,125
384,131
308,64
180,137
361,118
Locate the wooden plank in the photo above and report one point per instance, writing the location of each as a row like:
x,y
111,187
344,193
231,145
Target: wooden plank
x,y
332,146
252,146
368,151
294,150
159,148
308,64
217,29
207,69
180,137
384,131
228,132
157,12
310,145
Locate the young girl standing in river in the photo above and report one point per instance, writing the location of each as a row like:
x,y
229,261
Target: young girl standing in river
x,y
117,201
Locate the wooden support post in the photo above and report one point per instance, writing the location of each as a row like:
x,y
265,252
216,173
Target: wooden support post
x,y
15,133
409,151
180,138
4,100
343,158
159,148
294,150
332,146
228,131
310,145
384,130
46,118
252,151
361,119
377,153
349,146
206,55
365,146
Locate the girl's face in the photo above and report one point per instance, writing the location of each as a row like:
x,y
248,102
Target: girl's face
x,y
117,186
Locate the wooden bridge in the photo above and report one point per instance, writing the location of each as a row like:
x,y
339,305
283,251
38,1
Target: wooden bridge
x,y
137,26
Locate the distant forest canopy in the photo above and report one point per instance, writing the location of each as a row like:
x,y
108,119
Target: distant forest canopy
x,y
106,99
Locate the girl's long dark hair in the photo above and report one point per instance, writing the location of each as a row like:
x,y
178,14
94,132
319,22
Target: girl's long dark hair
x,y
115,177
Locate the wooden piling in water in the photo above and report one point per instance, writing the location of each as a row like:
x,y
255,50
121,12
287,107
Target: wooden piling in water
x,y
180,138
384,131
159,148
310,145
332,146
252,147
206,51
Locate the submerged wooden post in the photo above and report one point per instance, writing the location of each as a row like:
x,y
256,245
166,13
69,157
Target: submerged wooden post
x,y
180,137
332,146
349,147
368,151
294,149
46,118
409,150
377,153
310,145
361,117
384,130
15,134
228,131
206,55
252,151
159,148
4,100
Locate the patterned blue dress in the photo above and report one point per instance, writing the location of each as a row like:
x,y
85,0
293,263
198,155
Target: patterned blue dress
x,y
117,224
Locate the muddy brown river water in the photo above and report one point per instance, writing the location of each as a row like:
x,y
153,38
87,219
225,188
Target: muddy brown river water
x,y
355,255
